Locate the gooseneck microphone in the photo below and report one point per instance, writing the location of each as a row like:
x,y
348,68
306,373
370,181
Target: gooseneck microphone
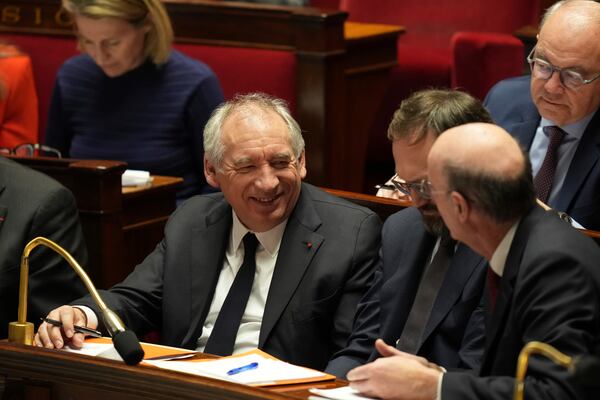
x,y
21,331
585,370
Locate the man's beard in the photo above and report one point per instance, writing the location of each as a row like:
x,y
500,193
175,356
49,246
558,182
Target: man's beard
x,y
434,223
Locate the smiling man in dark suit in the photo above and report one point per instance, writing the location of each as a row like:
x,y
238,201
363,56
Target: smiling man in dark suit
x,y
434,315
31,205
563,91
315,255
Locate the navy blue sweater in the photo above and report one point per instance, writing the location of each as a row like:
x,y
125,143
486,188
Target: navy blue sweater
x,y
151,117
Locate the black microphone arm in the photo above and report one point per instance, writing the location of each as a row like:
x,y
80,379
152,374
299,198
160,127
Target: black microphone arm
x,y
21,331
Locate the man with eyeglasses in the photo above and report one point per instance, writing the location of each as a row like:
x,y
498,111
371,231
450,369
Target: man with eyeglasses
x,y
426,297
554,113
546,286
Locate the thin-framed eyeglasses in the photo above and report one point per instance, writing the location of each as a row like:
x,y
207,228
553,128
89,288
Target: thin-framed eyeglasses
x,y
421,188
32,150
542,69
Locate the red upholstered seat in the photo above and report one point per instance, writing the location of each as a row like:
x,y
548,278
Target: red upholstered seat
x,y
240,70
466,44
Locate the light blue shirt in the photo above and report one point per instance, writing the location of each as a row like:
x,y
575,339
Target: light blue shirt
x,y
566,151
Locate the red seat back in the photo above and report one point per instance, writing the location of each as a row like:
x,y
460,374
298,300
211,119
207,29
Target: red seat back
x,y
432,22
240,70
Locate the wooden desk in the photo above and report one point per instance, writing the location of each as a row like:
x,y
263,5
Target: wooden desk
x,y
28,372
121,226
385,207
341,70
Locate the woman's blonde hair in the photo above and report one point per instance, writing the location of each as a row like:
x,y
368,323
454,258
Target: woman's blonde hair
x,y
159,40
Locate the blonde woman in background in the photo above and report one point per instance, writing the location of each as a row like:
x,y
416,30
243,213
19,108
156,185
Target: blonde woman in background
x,y
130,96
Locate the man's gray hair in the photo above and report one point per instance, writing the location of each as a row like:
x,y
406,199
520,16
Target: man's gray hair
x,y
214,149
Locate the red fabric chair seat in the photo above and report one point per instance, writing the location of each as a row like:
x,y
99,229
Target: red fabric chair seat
x,y
466,44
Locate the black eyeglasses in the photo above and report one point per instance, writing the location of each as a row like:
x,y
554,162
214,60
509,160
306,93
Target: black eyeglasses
x,y
421,188
542,69
32,150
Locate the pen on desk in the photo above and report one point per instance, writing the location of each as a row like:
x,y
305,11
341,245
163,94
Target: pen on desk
x,y
80,329
242,368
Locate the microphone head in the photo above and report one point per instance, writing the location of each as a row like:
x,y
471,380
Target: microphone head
x,y
586,370
128,347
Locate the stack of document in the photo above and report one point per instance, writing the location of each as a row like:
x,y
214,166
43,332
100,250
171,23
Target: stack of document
x,y
254,368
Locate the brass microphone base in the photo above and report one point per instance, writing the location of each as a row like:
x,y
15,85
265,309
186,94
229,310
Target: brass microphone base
x,y
20,332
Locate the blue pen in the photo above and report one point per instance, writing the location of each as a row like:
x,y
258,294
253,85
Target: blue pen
x,y
242,368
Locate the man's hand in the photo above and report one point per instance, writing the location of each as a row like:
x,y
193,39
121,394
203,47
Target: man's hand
x,y
396,375
51,336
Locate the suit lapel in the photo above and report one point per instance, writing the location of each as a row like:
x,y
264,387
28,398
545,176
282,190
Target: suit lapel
x,y
585,158
207,247
299,245
461,267
497,322
524,131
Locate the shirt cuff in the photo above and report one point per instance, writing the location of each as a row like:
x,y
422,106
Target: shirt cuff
x,y
90,315
438,396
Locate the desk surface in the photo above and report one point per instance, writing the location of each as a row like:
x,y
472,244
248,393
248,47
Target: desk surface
x,y
158,182
57,375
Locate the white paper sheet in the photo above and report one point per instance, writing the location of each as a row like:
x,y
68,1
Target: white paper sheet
x,y
341,393
267,372
102,350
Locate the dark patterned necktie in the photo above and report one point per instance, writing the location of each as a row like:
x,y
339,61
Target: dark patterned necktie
x,y
545,177
493,283
224,333
427,292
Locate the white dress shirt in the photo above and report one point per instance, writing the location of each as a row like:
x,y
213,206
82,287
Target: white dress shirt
x,y
266,257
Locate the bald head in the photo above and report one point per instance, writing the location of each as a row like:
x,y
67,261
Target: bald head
x,y
487,166
490,150
573,24
579,12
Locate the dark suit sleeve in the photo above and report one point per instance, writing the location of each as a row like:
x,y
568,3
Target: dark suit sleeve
x,y
138,299
365,260
364,333
473,342
556,302
52,282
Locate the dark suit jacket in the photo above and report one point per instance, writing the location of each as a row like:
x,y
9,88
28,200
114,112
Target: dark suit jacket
x,y
511,107
32,205
313,293
453,335
549,292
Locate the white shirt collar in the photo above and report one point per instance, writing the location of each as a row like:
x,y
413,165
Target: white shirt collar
x,y
270,240
498,261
